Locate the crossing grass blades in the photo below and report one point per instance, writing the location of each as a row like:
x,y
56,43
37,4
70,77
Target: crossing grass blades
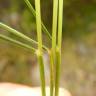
x,y
54,52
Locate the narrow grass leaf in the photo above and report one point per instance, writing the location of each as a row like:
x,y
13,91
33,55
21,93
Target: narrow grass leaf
x,y
3,37
17,33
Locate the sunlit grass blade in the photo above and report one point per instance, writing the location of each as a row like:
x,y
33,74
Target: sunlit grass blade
x,y
40,51
34,14
19,34
58,50
3,37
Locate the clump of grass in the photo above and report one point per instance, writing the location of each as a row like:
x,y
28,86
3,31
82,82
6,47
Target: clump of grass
x,y
54,53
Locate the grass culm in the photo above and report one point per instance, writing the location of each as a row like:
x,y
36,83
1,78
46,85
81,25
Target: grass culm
x,y
54,52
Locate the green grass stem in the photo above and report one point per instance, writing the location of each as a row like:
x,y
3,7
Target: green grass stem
x,y
51,73
42,74
38,23
54,54
60,21
58,49
40,51
57,74
34,14
54,23
54,31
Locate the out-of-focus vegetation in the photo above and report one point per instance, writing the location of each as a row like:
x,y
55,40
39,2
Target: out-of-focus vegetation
x,y
78,49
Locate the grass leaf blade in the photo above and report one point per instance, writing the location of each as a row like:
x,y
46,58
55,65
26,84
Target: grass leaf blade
x,y
16,42
17,33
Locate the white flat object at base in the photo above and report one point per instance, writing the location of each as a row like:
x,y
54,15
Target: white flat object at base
x,y
11,89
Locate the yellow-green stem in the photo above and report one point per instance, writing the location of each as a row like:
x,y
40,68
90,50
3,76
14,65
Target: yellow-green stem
x,y
57,76
42,74
58,49
40,51
51,73
60,21
54,25
34,14
54,31
38,23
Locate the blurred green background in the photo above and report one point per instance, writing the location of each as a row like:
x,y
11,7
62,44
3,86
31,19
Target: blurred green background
x,y
78,70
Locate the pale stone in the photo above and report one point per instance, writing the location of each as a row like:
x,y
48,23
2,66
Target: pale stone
x,y
9,89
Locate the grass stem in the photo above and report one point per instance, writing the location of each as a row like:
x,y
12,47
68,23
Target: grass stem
x,y
57,74
42,74
38,23
51,73
40,51
60,21
54,31
58,48
34,14
54,25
